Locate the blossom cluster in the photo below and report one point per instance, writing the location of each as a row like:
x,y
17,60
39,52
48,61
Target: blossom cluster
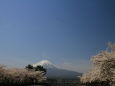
x,y
16,75
103,68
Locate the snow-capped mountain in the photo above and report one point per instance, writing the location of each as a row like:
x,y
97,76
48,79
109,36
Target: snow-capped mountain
x,y
55,72
46,64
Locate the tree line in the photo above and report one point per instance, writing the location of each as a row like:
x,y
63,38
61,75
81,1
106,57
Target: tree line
x,y
10,76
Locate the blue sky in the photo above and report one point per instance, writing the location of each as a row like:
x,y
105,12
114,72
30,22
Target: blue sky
x,y
65,32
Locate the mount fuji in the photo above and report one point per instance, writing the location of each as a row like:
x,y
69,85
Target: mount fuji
x,y
46,64
56,72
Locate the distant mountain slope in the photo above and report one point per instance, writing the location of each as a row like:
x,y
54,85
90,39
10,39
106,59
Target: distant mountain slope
x,y
55,72
62,73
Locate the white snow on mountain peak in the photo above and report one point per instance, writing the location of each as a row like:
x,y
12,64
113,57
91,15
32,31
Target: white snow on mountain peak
x,y
45,64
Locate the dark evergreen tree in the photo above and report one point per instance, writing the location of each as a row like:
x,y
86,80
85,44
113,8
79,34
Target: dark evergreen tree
x,y
37,68
29,67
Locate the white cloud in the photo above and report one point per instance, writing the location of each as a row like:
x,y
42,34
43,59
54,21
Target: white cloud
x,y
67,63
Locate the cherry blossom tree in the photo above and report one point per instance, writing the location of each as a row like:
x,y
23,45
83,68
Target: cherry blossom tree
x,y
103,68
16,75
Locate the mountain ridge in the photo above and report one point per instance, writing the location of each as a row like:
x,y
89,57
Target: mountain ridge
x,y
54,71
